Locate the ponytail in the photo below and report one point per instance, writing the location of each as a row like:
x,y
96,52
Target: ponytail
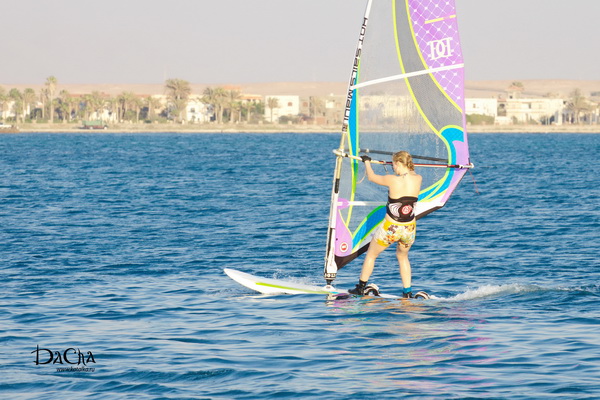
x,y
405,158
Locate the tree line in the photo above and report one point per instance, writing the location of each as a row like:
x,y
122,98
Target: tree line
x,y
51,105
221,105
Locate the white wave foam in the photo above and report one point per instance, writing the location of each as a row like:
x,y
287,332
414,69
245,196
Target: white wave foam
x,y
494,290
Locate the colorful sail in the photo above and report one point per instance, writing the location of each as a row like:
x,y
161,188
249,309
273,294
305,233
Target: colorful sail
x,y
406,93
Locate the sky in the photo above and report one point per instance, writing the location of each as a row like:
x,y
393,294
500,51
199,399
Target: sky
x,y
253,41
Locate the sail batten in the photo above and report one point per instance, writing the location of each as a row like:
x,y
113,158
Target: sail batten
x,y
406,92
406,75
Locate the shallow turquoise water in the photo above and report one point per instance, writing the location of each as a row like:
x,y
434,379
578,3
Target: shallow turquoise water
x,y
115,245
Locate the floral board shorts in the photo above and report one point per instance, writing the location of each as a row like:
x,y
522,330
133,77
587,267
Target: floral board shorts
x,y
403,233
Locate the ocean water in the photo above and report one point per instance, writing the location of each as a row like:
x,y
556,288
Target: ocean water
x,y
113,248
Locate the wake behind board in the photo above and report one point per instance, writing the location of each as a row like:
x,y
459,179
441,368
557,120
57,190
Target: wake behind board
x,y
278,286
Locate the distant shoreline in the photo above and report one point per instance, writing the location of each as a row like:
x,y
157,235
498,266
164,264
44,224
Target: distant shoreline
x,y
473,89
535,88
279,128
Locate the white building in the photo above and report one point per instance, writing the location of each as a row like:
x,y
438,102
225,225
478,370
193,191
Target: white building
x,y
526,111
197,112
515,110
286,106
482,106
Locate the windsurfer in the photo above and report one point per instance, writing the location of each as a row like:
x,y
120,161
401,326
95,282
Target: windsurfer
x,y
399,225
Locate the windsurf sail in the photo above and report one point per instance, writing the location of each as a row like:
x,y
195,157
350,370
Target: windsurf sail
x,y
406,92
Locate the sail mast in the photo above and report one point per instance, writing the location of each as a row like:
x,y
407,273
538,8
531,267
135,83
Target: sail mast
x,y
330,269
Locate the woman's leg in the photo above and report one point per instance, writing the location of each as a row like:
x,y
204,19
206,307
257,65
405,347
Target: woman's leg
x,y
405,271
374,251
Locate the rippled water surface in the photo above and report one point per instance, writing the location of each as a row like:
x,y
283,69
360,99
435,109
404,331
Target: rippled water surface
x,y
113,249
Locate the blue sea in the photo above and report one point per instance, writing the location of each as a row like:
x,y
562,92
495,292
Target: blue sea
x,y
113,248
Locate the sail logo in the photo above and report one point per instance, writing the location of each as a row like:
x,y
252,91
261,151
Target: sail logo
x,y
440,48
354,75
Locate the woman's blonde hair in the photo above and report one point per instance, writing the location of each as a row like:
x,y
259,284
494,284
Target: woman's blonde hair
x,y
405,158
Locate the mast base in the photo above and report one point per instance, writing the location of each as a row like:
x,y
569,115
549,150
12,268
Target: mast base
x,y
329,277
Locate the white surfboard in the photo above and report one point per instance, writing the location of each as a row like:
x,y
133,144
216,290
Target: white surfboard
x,y
278,286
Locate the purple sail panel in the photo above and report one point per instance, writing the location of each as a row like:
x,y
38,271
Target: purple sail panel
x,y
436,32
343,237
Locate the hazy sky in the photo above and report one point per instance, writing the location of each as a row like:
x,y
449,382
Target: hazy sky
x,y
245,41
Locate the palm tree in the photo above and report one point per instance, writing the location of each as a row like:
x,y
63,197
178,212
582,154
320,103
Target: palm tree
x,y
233,97
28,100
65,105
112,103
121,106
94,104
236,108
272,102
256,108
44,101
51,83
178,91
217,98
153,104
220,101
17,98
3,98
578,104
248,105
126,102
210,97
260,110
136,105
70,107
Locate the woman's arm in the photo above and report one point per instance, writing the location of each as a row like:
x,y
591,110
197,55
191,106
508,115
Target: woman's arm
x,y
373,177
